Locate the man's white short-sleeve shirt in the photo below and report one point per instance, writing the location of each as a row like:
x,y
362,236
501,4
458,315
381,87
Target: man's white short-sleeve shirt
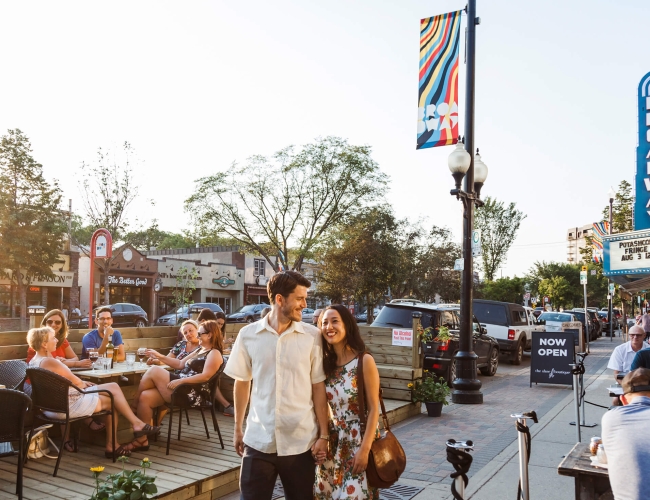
x,y
281,418
622,357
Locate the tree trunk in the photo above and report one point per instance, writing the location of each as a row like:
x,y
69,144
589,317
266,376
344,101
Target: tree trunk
x,y
22,294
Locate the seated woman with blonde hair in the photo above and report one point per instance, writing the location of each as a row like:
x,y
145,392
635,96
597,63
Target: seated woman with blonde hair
x,y
43,341
157,384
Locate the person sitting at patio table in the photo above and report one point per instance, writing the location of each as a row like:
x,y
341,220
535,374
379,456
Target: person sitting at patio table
x,y
623,356
157,384
43,341
56,320
98,338
181,349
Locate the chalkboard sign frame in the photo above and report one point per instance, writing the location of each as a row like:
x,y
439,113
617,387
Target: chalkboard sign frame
x,y
553,368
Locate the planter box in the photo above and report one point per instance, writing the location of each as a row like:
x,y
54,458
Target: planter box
x,y
430,347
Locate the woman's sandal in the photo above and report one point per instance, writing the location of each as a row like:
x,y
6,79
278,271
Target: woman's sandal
x,y
136,446
99,426
120,452
69,446
147,430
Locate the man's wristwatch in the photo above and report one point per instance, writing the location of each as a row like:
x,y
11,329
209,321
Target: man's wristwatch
x,y
325,437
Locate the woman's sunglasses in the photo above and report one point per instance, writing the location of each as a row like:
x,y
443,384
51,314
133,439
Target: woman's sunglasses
x,y
53,322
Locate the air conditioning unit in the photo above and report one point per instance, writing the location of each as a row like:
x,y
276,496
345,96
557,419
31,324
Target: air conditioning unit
x,y
261,280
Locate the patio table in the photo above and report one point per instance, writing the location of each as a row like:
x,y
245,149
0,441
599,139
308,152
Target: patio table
x,y
590,482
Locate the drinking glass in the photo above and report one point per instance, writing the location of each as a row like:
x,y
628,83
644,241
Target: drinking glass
x,y
93,355
130,359
141,353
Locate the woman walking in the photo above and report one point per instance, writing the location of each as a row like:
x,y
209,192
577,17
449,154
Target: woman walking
x,y
342,475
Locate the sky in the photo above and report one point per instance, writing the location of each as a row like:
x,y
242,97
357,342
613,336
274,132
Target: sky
x,y
194,86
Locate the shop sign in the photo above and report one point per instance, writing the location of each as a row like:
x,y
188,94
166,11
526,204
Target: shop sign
x,y
128,280
627,253
59,279
34,288
223,281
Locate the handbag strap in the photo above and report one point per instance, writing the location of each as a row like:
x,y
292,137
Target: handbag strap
x,y
361,396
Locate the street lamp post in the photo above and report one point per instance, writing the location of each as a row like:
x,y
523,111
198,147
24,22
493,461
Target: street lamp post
x,y
611,195
466,387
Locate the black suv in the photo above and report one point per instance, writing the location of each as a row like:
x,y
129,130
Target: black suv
x,y
442,361
247,313
123,315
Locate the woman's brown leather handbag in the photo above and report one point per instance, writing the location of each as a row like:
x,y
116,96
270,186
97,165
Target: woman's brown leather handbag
x,y
387,459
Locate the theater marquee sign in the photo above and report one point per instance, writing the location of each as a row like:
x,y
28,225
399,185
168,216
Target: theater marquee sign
x,y
627,253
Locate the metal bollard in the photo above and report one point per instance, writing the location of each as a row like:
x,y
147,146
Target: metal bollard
x,y
458,456
523,491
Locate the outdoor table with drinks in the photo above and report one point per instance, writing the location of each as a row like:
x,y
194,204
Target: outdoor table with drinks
x,y
591,481
101,373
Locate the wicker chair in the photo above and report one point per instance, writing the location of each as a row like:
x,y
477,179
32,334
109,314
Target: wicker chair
x,y
12,373
50,393
179,400
13,409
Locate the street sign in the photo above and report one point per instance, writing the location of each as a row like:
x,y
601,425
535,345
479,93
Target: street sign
x,y
476,243
583,277
593,272
611,288
545,298
584,269
459,265
526,296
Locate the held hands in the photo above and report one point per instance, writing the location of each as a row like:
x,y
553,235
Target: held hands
x,y
238,442
152,353
152,361
319,451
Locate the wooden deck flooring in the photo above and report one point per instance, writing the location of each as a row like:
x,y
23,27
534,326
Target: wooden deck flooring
x,y
196,468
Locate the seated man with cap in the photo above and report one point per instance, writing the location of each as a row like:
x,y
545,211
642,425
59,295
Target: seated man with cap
x,y
626,439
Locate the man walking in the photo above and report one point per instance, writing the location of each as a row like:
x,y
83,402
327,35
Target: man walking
x,y
626,439
287,425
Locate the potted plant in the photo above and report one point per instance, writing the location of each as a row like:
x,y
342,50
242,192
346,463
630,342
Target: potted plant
x,y
432,392
427,338
125,484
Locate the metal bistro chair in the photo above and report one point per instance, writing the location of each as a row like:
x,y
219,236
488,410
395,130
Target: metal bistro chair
x,y
179,399
50,393
13,410
12,374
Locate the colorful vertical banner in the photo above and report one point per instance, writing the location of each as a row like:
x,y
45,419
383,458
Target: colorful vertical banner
x,y
600,229
642,177
438,88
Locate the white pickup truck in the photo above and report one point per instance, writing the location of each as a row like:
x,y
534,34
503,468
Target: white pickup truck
x,y
510,324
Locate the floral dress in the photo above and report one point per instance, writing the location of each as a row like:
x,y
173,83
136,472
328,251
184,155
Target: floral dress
x,y
334,479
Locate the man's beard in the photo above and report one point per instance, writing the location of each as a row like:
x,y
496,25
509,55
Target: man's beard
x,y
287,312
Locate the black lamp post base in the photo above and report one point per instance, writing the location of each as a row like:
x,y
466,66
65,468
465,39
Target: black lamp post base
x,y
466,388
467,397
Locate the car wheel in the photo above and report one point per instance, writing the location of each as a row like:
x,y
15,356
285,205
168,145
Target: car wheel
x,y
451,374
140,323
518,354
493,363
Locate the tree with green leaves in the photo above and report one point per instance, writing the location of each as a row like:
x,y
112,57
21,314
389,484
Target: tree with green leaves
x,y
504,290
558,290
498,224
283,206
32,226
622,209
107,192
184,287
361,260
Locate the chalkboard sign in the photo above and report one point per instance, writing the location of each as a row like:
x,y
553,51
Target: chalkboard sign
x,y
551,355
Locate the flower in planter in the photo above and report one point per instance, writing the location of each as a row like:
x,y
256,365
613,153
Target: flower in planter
x,y
427,334
430,390
125,484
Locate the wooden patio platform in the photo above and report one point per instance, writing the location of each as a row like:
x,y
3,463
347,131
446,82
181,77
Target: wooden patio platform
x,y
195,469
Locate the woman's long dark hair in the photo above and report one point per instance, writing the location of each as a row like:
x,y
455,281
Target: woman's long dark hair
x,y
212,327
352,337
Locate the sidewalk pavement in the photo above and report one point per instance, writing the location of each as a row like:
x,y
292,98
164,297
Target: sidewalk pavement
x,y
494,473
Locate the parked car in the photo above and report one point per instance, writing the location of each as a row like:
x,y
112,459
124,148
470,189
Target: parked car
x,y
594,324
618,316
560,321
307,315
124,314
442,362
248,313
509,323
362,317
604,320
183,313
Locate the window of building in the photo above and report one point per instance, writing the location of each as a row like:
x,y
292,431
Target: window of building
x,y
5,301
260,267
224,302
